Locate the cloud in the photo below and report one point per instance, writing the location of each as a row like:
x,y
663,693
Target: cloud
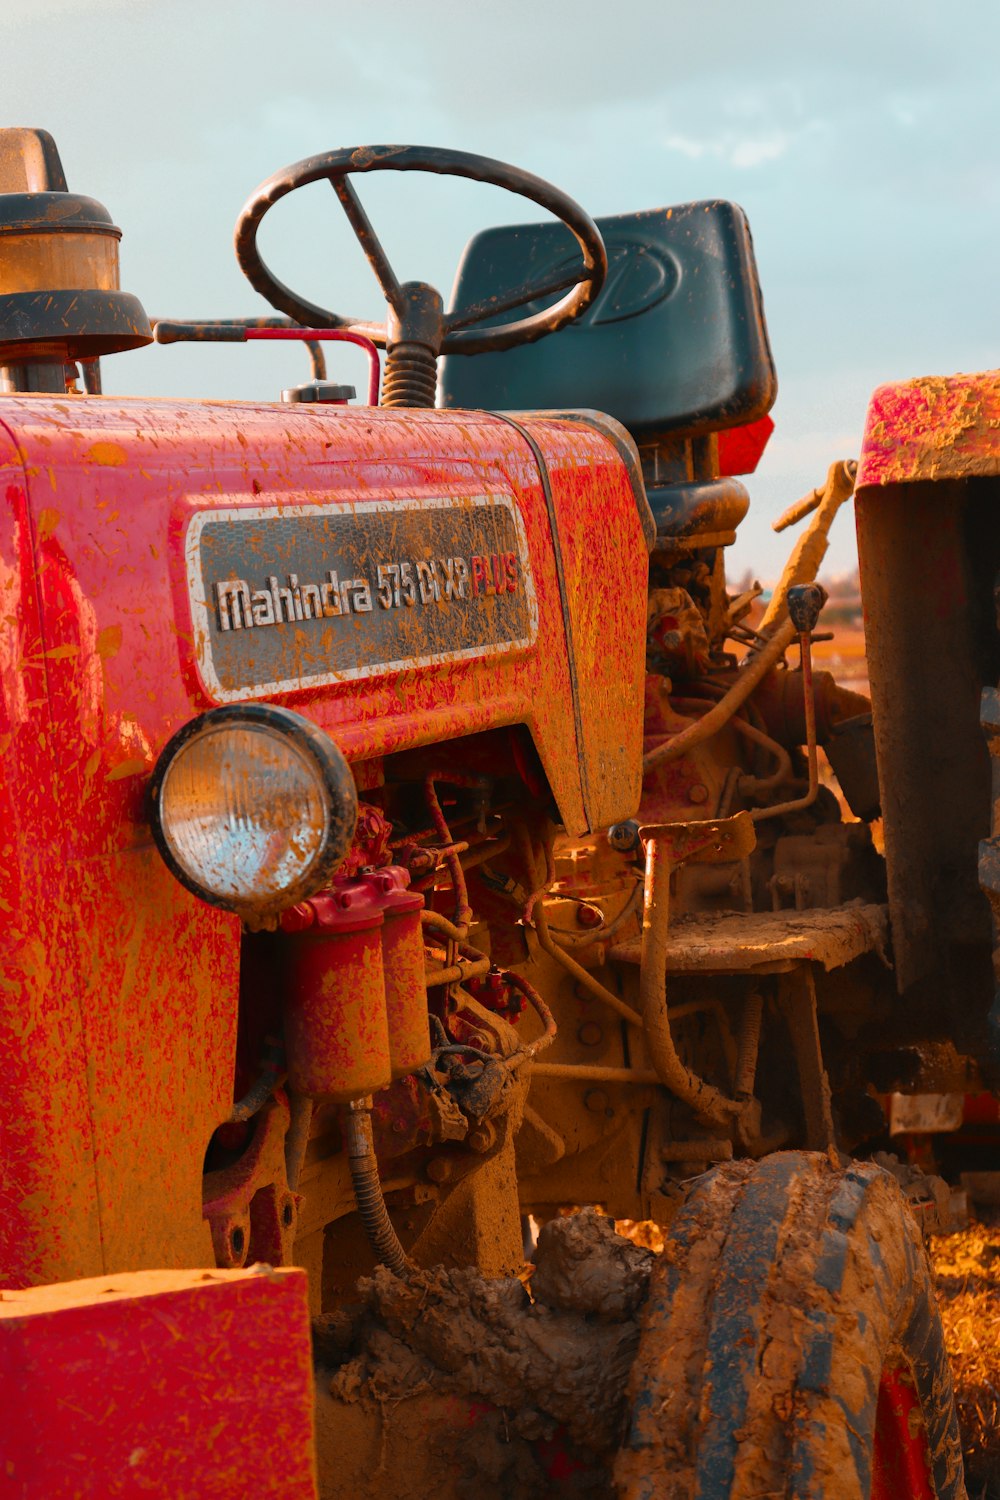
x,y
735,150
743,149
754,152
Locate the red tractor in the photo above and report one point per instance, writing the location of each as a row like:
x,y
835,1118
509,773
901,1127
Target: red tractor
x,y
404,836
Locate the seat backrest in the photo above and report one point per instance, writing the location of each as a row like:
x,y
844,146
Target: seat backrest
x,y
675,342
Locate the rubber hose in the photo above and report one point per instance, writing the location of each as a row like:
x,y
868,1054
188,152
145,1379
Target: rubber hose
x,y
368,1189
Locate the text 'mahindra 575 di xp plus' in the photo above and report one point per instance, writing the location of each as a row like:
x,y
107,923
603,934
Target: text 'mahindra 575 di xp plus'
x,y
405,837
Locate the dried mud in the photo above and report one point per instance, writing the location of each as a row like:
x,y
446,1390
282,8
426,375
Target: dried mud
x,y
453,1385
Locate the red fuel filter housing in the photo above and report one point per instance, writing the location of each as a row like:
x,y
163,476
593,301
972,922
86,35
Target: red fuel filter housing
x,y
356,1001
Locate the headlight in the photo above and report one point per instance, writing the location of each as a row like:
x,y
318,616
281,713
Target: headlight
x,y
253,808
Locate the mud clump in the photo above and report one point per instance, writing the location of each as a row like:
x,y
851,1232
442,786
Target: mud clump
x,y
583,1265
449,1382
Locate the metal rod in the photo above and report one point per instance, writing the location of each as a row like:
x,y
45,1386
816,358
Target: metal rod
x,y
594,1073
370,243
331,336
229,331
458,973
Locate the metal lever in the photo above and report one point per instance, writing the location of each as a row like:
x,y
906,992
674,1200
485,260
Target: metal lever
x,y
804,601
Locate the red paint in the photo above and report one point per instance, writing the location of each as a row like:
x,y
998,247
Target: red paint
x,y
981,1109
559,1463
328,335
900,1468
161,1383
741,448
480,575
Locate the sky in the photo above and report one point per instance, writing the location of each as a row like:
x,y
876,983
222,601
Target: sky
x,y
860,138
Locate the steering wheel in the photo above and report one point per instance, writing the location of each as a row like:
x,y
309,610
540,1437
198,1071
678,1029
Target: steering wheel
x,y
416,316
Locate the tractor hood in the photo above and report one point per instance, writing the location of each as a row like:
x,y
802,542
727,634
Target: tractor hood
x,y
401,579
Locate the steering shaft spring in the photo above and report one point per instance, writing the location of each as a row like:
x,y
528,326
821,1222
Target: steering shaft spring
x,y
410,377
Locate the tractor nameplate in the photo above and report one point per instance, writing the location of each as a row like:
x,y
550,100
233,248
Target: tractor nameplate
x,y
292,596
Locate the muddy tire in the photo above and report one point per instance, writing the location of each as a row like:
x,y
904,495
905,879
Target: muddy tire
x,y
791,1346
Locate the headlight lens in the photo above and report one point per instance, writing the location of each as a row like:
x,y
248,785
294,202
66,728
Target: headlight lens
x,y
253,808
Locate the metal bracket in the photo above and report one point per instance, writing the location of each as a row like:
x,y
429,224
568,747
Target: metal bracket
x,y
249,1206
716,841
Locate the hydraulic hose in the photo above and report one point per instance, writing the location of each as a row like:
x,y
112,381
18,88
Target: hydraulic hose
x,y
576,971
272,1077
753,669
548,1020
706,1101
750,732
372,1211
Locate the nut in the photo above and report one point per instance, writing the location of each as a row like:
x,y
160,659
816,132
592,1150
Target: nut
x,y
596,1100
482,1136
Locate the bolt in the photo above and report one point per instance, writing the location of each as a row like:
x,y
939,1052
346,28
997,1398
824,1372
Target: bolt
x,y
589,916
482,1136
624,836
596,1100
439,1169
590,1034
697,792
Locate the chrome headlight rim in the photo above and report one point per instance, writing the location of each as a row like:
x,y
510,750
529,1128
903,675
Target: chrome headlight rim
x,y
334,777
